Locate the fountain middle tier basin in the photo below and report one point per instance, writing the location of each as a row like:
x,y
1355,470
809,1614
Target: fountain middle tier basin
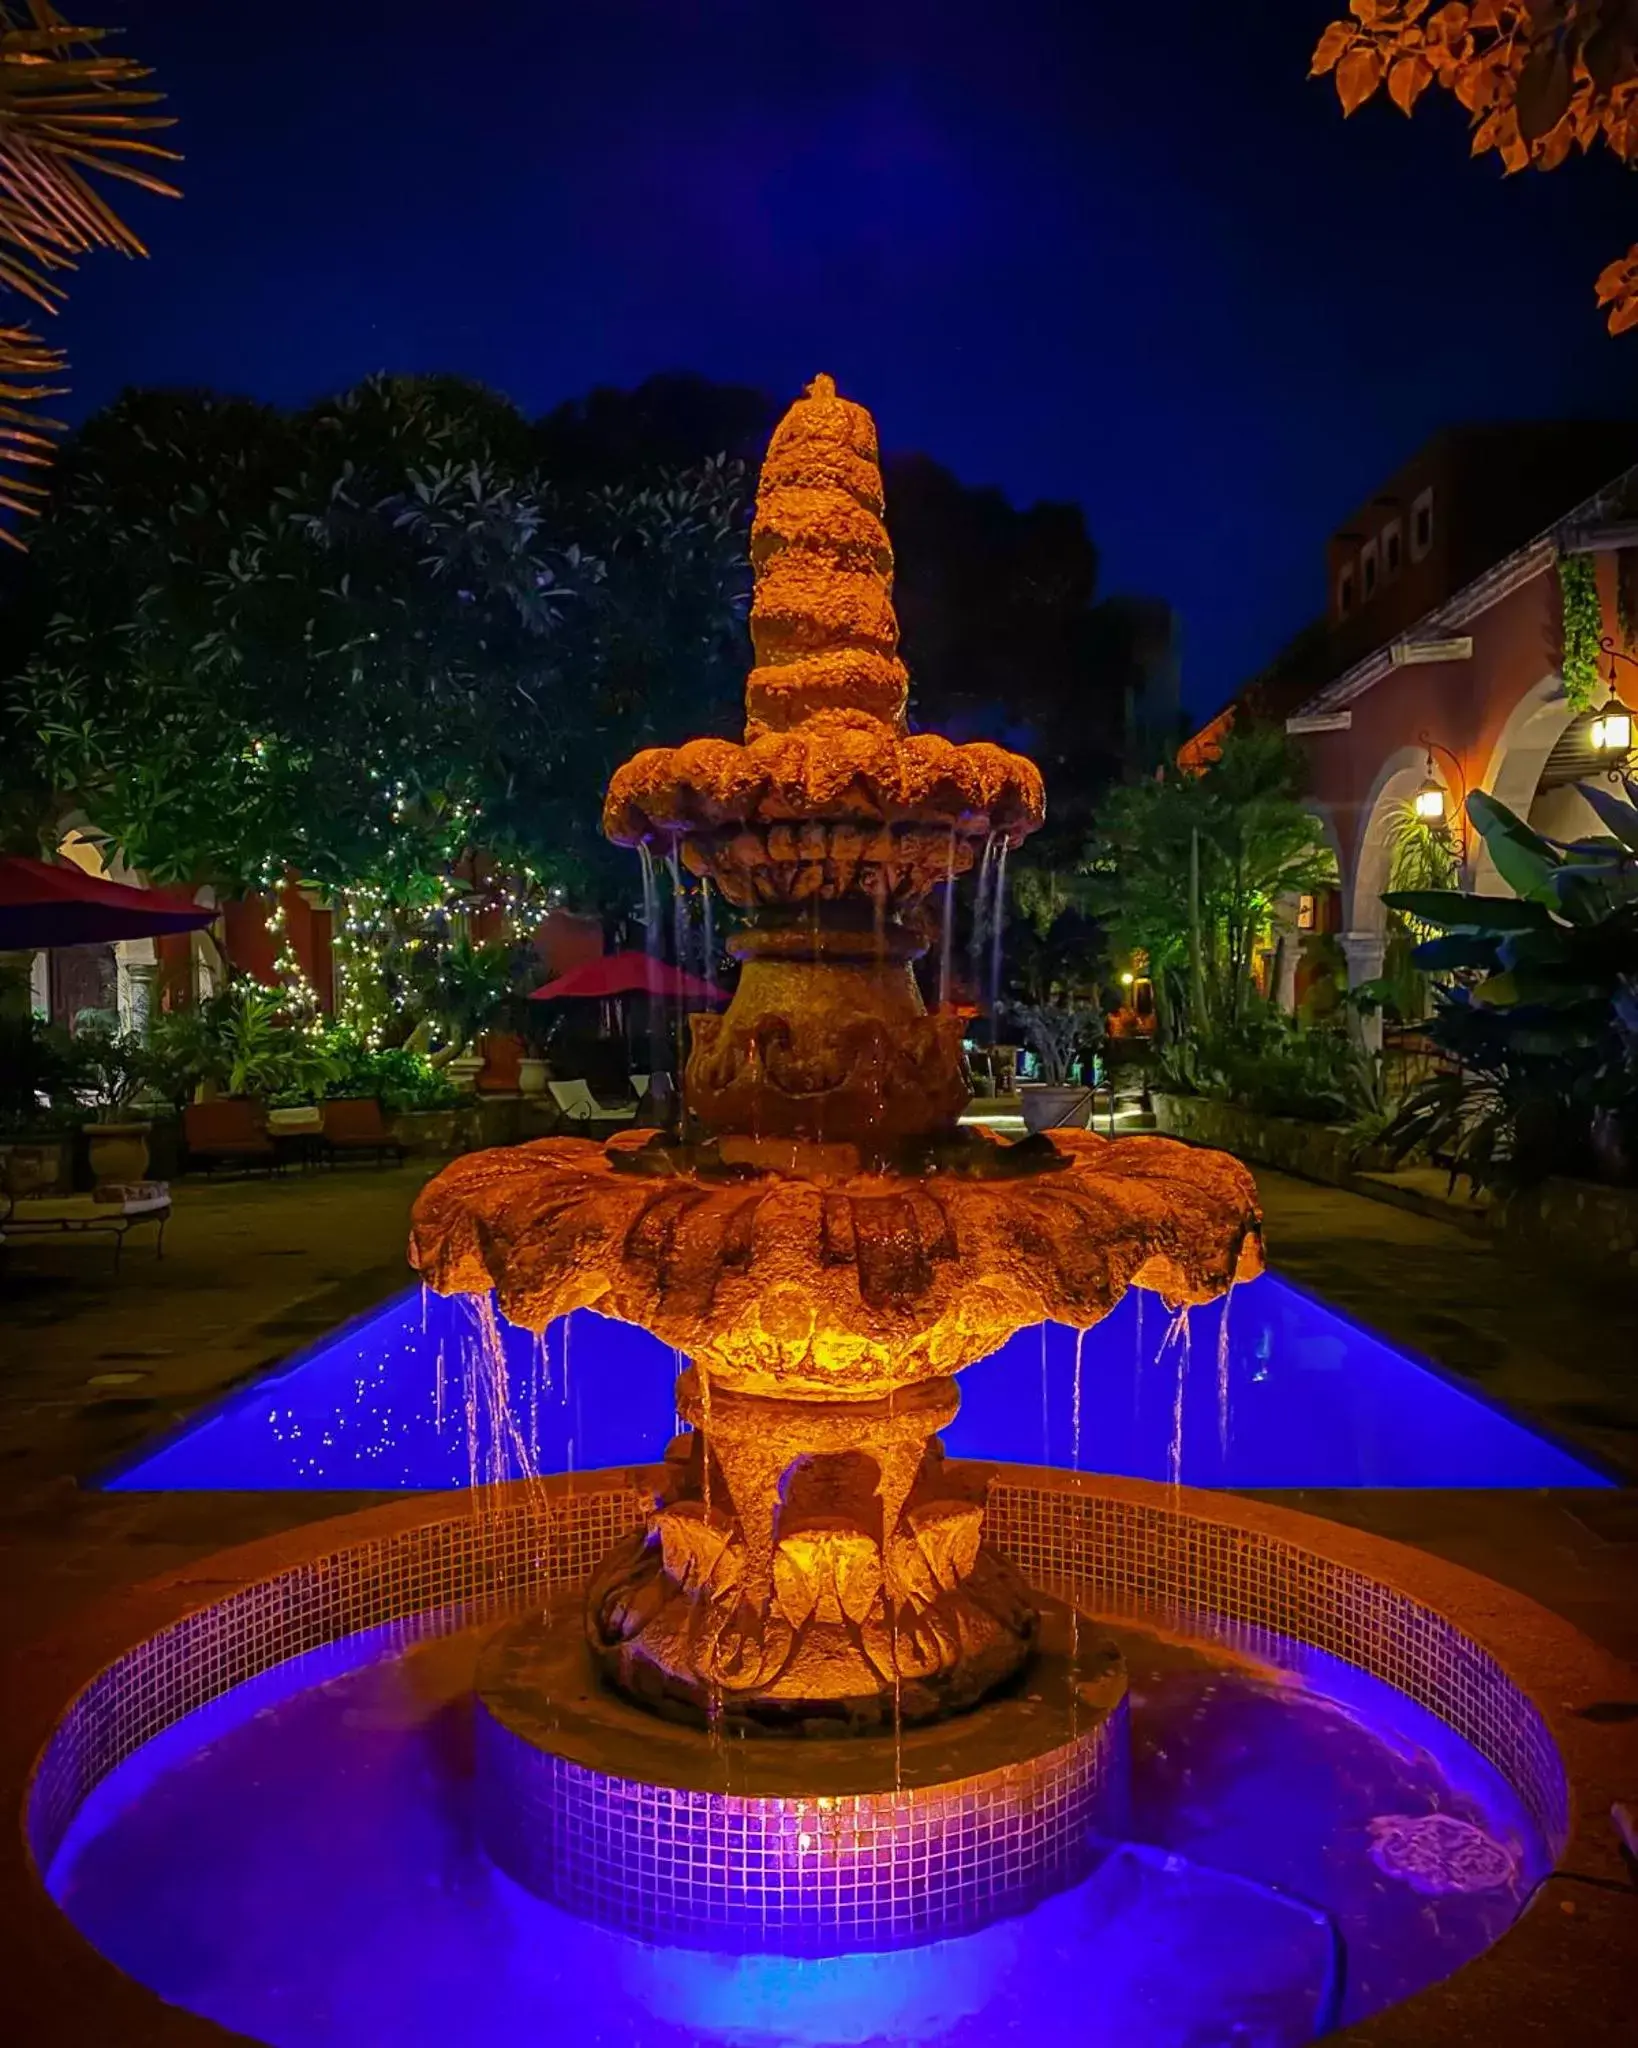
x,y
836,1286
834,1845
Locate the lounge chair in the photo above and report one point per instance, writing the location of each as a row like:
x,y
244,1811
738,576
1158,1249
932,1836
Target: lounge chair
x,y
355,1125
578,1105
228,1132
111,1211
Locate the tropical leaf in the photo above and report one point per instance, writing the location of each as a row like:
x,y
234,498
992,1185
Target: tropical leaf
x,y
1619,813
1453,911
1525,861
1453,951
70,112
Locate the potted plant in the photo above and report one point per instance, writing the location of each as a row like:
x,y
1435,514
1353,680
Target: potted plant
x,y
113,1073
1057,1034
534,1069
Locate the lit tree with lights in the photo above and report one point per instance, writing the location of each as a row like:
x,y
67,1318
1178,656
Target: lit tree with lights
x,y
368,646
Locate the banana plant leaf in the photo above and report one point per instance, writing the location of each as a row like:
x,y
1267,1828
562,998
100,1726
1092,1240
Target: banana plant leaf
x,y
1456,912
1619,813
1525,861
1564,990
1459,949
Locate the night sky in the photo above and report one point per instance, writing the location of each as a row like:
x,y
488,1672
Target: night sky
x,y
1123,255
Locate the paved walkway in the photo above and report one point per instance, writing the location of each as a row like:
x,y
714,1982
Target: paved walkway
x,y
253,1270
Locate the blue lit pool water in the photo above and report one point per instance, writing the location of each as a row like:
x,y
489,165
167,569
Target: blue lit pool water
x,y
299,1862
1291,1395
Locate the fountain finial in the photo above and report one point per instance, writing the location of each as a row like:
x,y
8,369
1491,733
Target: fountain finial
x,y
822,619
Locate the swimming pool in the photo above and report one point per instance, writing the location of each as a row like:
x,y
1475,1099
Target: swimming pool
x,y
1271,1389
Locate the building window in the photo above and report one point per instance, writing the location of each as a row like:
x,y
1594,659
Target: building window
x,y
1393,539
1421,533
1367,572
1345,591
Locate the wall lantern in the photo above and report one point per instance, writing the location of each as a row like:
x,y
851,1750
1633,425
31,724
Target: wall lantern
x,y
1431,804
1306,909
1612,728
1612,725
1127,978
1430,800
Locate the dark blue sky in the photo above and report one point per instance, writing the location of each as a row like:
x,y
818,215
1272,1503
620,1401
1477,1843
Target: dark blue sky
x,y
1123,255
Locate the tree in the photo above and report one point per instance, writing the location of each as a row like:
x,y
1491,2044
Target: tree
x,y
67,108
1190,869
359,640
1539,78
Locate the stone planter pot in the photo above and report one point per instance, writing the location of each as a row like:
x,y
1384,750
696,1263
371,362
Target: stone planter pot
x,y
37,1166
1056,1105
119,1152
531,1076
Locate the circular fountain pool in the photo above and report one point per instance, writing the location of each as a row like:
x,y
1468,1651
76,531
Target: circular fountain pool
x,y
1335,1798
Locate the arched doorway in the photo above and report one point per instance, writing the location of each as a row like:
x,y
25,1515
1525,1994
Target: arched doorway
x,y
1533,769
1366,939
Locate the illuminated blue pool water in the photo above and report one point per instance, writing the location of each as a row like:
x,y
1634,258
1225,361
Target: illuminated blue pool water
x,y
1288,1394
300,1862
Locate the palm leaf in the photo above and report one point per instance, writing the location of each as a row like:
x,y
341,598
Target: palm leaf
x,y
69,111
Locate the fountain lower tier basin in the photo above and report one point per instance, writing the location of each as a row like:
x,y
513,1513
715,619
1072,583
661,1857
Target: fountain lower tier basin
x,y
264,1807
834,1846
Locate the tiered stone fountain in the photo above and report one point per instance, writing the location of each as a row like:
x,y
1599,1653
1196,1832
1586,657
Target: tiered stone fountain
x,y
829,1249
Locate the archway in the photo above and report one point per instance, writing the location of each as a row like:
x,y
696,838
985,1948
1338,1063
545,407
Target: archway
x,y
1397,781
1365,942
1513,775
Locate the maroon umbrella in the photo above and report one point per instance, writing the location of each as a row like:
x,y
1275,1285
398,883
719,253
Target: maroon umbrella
x,y
53,903
625,974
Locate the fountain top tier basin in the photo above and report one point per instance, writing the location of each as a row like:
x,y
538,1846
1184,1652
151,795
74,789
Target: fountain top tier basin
x,y
828,797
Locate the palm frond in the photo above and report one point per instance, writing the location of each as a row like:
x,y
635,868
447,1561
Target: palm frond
x,y
70,111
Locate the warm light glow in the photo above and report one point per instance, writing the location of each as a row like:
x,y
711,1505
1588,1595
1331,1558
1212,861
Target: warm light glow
x,y
1306,917
1127,978
1612,729
1430,801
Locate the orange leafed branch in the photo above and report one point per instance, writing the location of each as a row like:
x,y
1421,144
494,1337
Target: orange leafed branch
x,y
1538,78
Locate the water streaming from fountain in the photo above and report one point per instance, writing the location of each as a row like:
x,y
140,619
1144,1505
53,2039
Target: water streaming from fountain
x,y
1223,1375
998,920
1176,1340
976,938
947,927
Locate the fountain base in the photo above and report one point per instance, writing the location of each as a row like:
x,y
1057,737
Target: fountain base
x,y
811,1569
692,1837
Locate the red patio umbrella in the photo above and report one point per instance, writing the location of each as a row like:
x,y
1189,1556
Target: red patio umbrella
x,y
53,903
626,974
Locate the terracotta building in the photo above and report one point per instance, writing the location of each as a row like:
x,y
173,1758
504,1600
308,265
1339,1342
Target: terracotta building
x,y
1440,654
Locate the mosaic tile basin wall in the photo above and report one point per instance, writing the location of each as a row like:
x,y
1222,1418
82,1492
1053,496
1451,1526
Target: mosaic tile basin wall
x,y
794,1846
1137,1552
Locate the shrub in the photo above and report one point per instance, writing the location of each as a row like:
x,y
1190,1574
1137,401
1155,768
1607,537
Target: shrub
x,y
1272,1065
398,1078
